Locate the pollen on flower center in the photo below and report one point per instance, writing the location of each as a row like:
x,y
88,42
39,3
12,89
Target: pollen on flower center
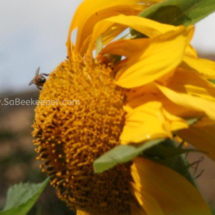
x,y
83,122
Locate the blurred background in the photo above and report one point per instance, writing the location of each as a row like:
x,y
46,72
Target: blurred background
x,y
32,34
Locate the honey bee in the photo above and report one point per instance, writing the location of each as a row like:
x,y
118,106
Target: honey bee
x,y
39,79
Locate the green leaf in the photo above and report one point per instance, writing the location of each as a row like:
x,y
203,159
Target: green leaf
x,y
121,154
164,152
22,197
178,12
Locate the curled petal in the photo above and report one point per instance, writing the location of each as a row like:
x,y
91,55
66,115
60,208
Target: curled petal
x,y
88,14
163,54
148,27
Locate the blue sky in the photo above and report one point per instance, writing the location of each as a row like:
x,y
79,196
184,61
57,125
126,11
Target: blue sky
x,y
33,33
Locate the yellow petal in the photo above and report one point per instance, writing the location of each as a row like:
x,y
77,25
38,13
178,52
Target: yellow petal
x,y
136,210
146,201
90,12
126,48
186,81
168,190
149,121
149,92
189,101
148,27
190,51
204,67
110,33
162,56
190,36
137,99
189,82
203,138
78,212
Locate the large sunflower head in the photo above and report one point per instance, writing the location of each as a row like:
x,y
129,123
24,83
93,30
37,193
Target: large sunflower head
x,y
85,122
131,91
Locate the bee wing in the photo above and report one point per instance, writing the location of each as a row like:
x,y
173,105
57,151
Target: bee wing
x,y
36,74
32,81
37,71
44,74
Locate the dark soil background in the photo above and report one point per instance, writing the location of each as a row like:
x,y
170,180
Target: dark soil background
x,y
17,155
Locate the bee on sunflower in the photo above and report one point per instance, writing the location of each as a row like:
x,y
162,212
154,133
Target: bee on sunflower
x,y
134,90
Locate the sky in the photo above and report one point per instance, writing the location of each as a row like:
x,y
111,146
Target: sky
x,y
33,33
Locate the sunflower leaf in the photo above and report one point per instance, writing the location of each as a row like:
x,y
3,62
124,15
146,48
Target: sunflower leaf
x,y
178,12
22,197
121,154
164,152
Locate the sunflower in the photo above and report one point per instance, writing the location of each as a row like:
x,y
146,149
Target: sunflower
x,y
131,91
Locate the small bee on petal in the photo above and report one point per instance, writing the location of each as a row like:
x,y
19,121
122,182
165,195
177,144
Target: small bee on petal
x,y
39,79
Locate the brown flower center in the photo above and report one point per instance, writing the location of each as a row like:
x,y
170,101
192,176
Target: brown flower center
x,y
83,121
